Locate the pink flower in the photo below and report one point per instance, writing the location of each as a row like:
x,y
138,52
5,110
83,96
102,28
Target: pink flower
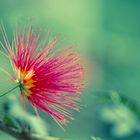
x,y
50,80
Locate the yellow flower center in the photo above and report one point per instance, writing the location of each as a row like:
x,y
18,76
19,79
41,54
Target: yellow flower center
x,y
24,78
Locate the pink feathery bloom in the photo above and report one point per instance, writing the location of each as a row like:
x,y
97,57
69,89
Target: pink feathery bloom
x,y
49,79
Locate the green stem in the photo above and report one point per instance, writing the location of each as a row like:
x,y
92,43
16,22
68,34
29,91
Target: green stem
x,y
9,91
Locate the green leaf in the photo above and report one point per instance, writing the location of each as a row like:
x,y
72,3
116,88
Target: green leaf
x,y
9,121
95,138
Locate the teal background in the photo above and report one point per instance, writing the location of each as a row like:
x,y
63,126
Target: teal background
x,y
107,34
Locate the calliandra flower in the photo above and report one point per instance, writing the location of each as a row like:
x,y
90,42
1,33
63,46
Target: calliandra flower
x,y
49,79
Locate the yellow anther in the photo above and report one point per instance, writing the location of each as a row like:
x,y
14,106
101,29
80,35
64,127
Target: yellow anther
x,y
26,81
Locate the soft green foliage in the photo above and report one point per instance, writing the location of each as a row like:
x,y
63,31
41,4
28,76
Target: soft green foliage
x,y
37,124
95,138
124,121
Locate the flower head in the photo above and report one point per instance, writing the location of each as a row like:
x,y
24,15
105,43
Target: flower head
x,y
49,79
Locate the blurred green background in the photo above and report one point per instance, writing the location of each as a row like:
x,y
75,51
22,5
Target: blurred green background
x,y
107,33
